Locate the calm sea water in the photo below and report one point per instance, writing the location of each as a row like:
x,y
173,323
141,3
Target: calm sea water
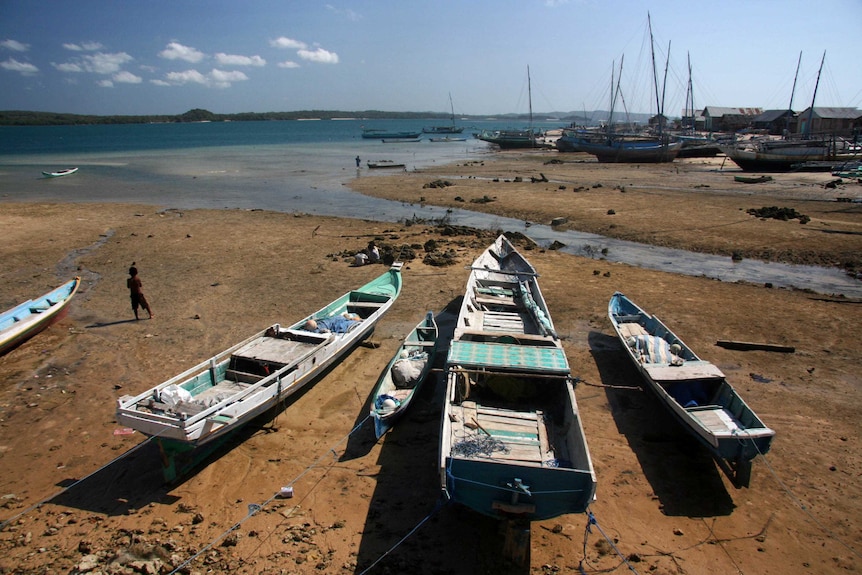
x,y
303,166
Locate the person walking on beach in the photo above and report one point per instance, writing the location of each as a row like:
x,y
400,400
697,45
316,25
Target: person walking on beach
x,y
357,161
136,292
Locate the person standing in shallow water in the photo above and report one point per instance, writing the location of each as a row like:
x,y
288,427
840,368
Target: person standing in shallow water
x,y
136,293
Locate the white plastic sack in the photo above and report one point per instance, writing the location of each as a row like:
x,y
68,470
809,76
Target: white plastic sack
x,y
173,394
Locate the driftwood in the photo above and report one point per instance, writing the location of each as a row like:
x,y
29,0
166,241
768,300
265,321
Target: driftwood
x,y
749,346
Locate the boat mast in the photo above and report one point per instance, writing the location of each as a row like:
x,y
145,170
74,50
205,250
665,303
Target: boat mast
x,y
793,92
689,95
654,74
452,108
816,84
530,98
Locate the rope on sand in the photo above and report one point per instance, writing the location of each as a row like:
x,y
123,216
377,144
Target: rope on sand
x,y
591,520
577,380
254,508
39,503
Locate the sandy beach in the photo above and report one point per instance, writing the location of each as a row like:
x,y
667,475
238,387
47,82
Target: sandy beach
x,y
82,495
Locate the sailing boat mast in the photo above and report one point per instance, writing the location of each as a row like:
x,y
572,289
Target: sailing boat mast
x,y
807,131
530,99
452,108
793,92
658,104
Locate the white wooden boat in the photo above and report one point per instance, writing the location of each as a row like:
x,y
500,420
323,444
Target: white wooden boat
x,y
219,395
404,375
28,318
693,390
59,173
511,444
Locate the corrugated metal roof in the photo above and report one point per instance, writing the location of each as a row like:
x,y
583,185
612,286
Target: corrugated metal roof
x,y
718,111
833,113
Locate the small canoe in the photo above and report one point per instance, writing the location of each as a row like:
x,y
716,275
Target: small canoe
x,y
201,406
29,318
60,173
383,164
404,375
693,390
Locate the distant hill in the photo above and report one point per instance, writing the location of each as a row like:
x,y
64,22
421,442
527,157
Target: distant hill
x,y
29,118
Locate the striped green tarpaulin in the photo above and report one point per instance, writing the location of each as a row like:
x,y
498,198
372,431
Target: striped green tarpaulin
x,y
544,359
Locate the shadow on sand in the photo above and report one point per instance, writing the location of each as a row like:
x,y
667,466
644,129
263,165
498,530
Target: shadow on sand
x,y
449,538
680,471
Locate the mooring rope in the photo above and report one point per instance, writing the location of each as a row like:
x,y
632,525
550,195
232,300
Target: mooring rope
x,y
254,508
65,489
591,520
440,503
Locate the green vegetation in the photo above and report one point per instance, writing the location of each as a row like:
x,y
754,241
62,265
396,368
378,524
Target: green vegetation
x,y
25,118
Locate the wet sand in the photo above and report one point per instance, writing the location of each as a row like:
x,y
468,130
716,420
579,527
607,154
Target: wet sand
x,y
216,276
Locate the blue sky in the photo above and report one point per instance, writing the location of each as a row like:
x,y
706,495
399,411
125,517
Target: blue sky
x,y
167,57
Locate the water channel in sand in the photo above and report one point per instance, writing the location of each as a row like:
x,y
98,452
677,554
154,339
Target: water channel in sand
x,y
312,180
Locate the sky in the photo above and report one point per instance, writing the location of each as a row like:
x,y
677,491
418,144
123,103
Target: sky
x,y
140,57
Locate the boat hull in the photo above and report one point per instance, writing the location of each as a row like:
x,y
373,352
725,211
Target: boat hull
x,y
392,397
29,318
785,156
511,442
695,392
637,151
233,387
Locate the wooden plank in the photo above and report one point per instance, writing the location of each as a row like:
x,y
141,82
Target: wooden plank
x,y
528,415
751,346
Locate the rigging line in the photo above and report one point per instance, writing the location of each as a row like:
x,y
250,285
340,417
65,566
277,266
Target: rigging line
x,y
440,503
804,507
253,509
591,520
5,523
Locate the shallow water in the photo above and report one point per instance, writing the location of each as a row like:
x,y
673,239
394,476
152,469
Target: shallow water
x,y
311,177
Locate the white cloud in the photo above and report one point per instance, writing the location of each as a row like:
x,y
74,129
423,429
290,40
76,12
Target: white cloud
x,y
288,43
320,56
68,67
102,63
105,83
215,79
347,13
83,47
15,45
236,60
125,77
158,82
14,65
176,51
288,64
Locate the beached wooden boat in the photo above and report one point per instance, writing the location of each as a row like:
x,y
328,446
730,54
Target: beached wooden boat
x,y
26,319
512,444
403,377
385,164
219,395
695,391
59,173
447,139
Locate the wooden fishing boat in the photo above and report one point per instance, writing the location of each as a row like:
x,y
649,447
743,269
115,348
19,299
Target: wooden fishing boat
x,y
385,164
26,319
59,173
206,402
381,134
695,391
403,377
511,444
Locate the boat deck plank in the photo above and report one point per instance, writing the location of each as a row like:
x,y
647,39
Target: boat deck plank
x,y
523,436
275,350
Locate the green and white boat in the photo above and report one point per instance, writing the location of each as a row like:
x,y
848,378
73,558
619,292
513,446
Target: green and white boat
x,y
512,444
219,395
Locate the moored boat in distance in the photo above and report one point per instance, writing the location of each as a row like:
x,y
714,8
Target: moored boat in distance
x,y
381,134
511,444
385,164
28,318
401,380
202,405
692,390
60,173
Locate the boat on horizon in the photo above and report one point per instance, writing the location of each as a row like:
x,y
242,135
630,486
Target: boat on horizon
x,y
190,413
512,444
451,128
381,134
60,173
